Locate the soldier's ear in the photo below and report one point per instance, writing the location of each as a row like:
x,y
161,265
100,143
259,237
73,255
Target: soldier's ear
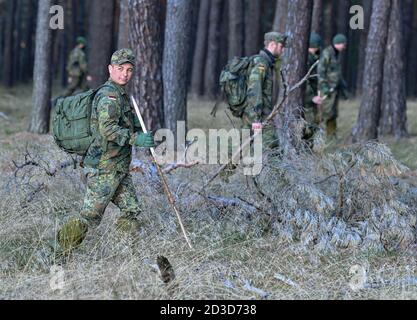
x,y
110,67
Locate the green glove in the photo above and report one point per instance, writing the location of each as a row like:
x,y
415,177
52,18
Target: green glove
x,y
145,140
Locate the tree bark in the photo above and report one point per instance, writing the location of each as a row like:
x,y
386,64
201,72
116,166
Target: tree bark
x,y
342,25
317,18
329,21
200,51
411,56
100,40
252,14
394,106
235,28
368,120
212,62
280,19
146,39
42,74
175,67
367,7
295,64
8,80
124,30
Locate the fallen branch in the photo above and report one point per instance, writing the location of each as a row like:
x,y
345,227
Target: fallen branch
x,y
4,116
175,166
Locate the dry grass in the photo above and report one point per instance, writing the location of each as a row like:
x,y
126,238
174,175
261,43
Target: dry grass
x,y
238,254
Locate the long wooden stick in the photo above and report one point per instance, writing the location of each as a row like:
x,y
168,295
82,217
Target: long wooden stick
x,y
161,175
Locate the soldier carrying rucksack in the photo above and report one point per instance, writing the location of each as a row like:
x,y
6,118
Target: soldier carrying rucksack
x,y
247,86
101,126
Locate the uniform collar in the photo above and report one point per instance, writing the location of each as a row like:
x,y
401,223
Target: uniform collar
x,y
120,88
269,56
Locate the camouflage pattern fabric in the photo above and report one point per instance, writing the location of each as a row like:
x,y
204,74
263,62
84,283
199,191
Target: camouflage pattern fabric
x,y
116,187
123,56
311,112
107,166
330,78
259,96
115,126
77,71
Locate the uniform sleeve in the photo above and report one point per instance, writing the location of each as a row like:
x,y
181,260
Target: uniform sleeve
x,y
82,60
109,114
322,69
254,92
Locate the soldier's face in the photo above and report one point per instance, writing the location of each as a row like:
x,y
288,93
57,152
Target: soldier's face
x,y
278,49
121,74
340,47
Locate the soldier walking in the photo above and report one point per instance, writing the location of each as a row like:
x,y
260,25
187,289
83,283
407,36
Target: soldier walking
x,y
77,69
116,129
331,83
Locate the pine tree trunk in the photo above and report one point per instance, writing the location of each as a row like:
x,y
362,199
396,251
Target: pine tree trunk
x,y
329,21
175,67
295,62
280,19
367,7
100,38
213,52
200,52
8,80
342,25
146,39
42,76
252,16
394,106
412,57
369,113
317,18
123,40
235,28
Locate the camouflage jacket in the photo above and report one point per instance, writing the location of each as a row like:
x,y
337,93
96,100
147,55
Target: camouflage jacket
x,y
312,82
114,126
259,87
330,71
77,63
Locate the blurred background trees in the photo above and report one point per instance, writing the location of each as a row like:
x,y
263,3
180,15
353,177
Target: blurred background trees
x,y
218,30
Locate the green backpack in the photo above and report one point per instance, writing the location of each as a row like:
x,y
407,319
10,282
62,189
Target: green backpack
x,y
233,83
71,125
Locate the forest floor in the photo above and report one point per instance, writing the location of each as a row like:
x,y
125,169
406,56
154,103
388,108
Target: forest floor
x,y
233,257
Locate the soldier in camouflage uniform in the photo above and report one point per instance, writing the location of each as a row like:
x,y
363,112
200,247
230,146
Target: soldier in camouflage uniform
x,y
331,83
77,69
311,112
106,164
259,87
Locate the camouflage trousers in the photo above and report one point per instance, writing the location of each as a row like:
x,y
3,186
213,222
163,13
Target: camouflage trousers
x,y
330,112
74,84
269,138
312,118
102,188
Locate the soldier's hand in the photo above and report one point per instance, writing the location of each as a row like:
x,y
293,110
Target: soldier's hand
x,y
318,100
256,126
145,140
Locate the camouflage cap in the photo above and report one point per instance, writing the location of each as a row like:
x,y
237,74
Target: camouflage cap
x,y
276,37
315,40
339,39
81,40
122,56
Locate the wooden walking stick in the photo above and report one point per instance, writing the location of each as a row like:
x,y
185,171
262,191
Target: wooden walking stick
x,y
161,175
